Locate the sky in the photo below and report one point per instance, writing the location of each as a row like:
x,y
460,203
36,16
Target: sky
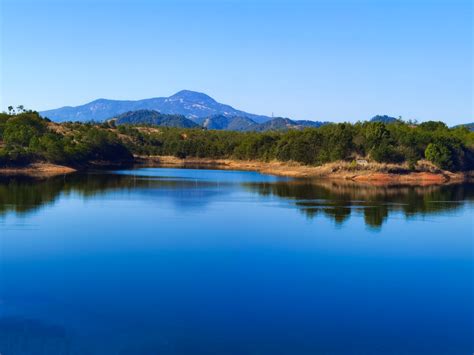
x,y
330,60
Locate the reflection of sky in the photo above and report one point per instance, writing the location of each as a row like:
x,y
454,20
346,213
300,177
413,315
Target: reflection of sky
x,y
173,267
220,176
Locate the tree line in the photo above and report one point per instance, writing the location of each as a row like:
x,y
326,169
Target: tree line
x,y
398,142
26,137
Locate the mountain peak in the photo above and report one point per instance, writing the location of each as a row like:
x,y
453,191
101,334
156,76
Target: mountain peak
x,y
193,96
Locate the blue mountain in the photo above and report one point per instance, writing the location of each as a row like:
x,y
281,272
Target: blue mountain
x,y
193,105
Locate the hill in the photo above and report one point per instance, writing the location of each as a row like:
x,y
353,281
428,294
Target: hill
x,y
218,122
193,105
384,119
469,126
150,117
283,124
236,123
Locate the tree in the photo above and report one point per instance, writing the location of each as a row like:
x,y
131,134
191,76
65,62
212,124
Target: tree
x,y
440,155
433,125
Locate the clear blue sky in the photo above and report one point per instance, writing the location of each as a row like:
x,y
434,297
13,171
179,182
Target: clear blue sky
x,y
322,60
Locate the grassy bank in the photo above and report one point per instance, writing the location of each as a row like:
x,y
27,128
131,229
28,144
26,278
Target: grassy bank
x,y
373,173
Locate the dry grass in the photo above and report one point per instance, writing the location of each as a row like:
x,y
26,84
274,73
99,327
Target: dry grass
x,y
37,170
372,173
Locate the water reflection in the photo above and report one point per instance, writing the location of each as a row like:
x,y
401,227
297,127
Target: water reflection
x,y
23,195
338,200
170,261
335,200
25,337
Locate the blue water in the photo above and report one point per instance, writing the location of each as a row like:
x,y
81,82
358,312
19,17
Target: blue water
x,y
184,261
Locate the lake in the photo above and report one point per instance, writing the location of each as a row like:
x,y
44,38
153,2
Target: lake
x,y
189,261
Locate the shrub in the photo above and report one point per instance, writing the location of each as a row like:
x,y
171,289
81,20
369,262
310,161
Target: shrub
x,y
440,155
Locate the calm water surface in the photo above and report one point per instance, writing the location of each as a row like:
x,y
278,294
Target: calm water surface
x,y
183,261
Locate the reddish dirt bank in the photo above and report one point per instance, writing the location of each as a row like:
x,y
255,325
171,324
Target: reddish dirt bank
x,y
421,178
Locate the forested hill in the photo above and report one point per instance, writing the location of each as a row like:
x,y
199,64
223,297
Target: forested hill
x,y
26,138
154,118
384,119
219,122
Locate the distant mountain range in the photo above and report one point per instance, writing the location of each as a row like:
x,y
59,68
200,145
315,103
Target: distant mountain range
x,y
184,109
192,105
218,122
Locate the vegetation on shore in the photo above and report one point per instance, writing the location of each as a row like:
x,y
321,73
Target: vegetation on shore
x,y
25,138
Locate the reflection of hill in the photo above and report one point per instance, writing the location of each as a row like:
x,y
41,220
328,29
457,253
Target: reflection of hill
x,y
23,195
339,199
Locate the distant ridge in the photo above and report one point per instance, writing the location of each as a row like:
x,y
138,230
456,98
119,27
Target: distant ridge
x,y
469,126
384,119
236,123
219,122
150,117
283,124
191,104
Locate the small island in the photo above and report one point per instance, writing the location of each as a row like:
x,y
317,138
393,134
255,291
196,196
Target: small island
x,y
369,151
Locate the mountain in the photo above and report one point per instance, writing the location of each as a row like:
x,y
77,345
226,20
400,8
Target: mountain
x,y
384,119
155,118
283,124
236,123
218,122
193,105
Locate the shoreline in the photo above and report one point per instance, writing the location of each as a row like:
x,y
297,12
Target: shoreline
x,y
372,174
39,170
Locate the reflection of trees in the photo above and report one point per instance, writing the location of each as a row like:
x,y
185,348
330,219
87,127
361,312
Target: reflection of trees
x,y
18,196
338,200
23,195
374,216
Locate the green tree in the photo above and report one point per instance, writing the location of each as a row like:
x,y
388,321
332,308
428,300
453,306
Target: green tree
x,y
440,155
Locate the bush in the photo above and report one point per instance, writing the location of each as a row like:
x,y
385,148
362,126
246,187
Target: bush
x,y
385,153
440,155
